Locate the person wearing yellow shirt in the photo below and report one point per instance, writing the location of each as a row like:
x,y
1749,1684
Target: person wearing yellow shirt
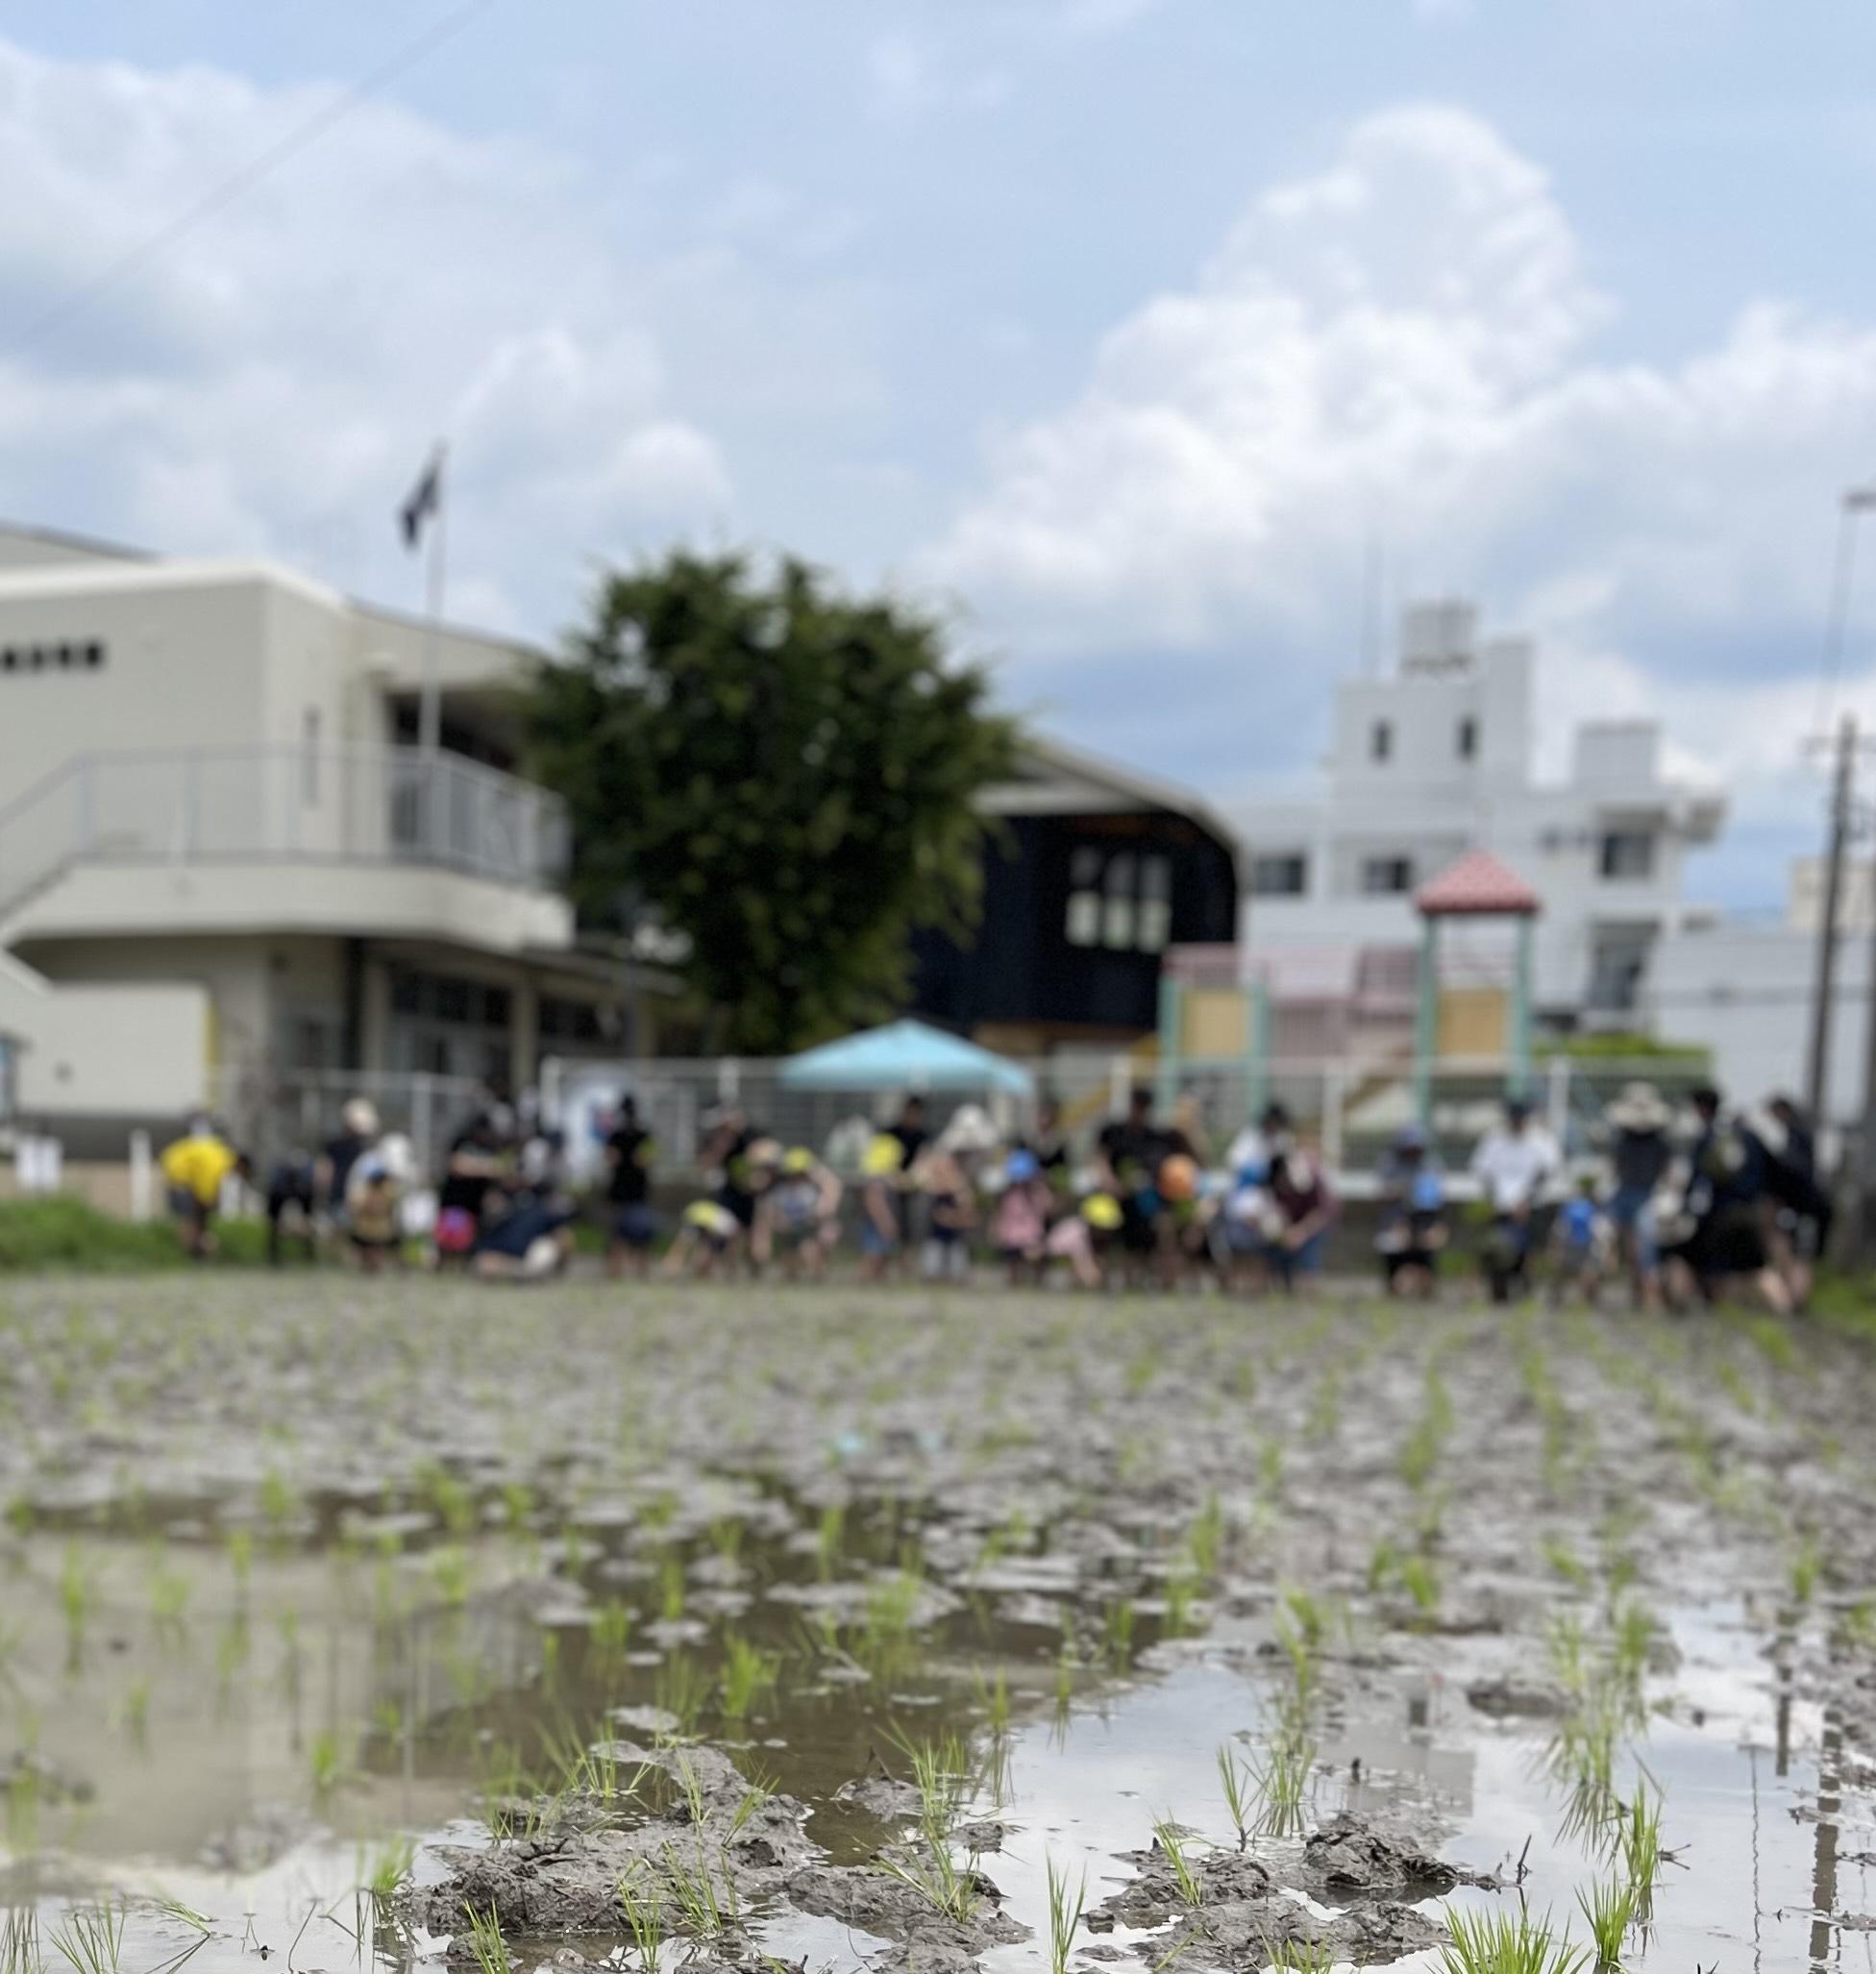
x,y
195,1168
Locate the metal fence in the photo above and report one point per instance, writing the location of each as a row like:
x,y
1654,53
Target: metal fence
x,y
1348,1112
363,804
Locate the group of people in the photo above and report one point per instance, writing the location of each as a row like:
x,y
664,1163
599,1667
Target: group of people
x,y
1141,1208
1684,1207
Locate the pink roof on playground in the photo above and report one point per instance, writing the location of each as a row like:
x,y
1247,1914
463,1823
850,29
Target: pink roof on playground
x,y
1478,884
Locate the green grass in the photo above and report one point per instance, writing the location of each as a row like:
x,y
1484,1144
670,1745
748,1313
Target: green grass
x,y
1064,1917
1609,1909
90,1938
1507,1944
67,1235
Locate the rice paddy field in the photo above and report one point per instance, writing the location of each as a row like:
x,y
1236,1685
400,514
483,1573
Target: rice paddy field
x,y
420,1622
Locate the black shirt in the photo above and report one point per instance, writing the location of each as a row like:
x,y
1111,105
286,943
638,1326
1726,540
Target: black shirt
x,y
632,1152
911,1139
468,1190
1641,1158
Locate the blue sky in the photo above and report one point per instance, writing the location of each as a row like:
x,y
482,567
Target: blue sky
x,y
1125,326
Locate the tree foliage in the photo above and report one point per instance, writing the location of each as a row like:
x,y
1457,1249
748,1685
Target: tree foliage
x,y
782,775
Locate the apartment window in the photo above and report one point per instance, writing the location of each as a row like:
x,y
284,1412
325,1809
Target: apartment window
x,y
1116,902
1627,855
82,655
1155,922
1122,900
1284,876
1380,740
1083,927
1384,876
1468,738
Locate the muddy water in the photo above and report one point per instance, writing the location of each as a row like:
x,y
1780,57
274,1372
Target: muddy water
x,y
293,1575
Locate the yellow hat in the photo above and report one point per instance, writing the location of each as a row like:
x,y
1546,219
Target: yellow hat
x,y
1101,1210
800,1160
885,1154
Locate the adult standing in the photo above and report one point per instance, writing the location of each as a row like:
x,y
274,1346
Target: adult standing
x,y
1725,1210
631,1154
1512,1163
1640,1153
1801,1201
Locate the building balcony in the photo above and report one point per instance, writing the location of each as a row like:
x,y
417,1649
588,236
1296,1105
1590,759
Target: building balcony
x,y
375,841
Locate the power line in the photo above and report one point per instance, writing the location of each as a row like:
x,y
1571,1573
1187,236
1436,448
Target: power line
x,y
300,138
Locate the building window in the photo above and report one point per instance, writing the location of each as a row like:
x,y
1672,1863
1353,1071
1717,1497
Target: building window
x,y
1467,739
1083,927
1384,876
1380,740
1123,902
85,655
1155,924
1285,875
1627,854
1117,903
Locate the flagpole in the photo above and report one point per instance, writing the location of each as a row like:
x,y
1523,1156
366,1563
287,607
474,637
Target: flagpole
x,y
430,708
430,703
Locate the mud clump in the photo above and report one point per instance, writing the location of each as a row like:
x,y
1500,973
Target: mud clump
x,y
1245,1910
1351,1856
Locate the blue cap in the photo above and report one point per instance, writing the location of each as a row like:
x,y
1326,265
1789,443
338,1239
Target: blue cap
x,y
1022,1165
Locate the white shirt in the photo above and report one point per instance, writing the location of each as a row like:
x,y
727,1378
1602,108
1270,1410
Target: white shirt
x,y
1512,1166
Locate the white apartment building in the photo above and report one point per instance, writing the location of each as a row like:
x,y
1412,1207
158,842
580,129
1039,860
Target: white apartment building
x,y
223,861
1438,759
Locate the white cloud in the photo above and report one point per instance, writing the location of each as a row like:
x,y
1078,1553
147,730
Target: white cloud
x,y
1400,347
273,380
909,78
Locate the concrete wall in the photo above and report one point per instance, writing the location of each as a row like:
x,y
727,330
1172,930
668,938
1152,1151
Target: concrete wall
x,y
1746,993
105,1051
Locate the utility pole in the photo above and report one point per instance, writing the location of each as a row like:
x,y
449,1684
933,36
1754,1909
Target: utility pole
x,y
1818,1084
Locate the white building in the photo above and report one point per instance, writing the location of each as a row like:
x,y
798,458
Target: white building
x,y
223,863
1438,759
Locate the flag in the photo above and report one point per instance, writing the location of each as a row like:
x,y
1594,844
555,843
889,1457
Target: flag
x,y
425,500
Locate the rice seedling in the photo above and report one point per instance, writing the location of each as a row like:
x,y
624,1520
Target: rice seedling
x,y
1807,1566
1609,1910
611,1631
91,1937
381,1874
452,1573
935,1875
941,1774
1506,1943
1239,1781
1421,1582
1298,1956
680,1691
1181,1590
691,1786
1172,1841
134,1711
994,1697
240,1554
1204,1541
1564,1561
644,1908
762,1791
829,1534
1629,1644
671,1589
1282,1779
747,1671
453,1501
325,1762
1383,1563
708,1911
78,1599
1638,1844
726,1533
1120,1633
169,1600
1270,1471
1855,1630
20,1952
1566,1647
1064,1916
486,1944
279,1504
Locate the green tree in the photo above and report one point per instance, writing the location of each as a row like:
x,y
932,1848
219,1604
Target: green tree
x,y
783,775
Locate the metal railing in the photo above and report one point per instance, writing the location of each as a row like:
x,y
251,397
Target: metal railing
x,y
355,804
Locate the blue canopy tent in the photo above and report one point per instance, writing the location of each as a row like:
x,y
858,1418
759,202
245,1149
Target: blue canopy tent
x,y
905,1056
